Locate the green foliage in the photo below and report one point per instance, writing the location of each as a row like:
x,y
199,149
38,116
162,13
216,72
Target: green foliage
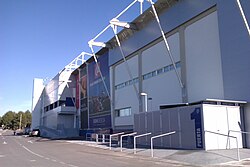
x,y
11,120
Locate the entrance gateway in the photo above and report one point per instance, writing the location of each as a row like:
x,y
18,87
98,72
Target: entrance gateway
x,y
206,124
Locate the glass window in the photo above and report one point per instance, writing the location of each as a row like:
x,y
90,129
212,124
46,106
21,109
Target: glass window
x,y
123,112
131,82
147,76
154,73
50,106
136,80
166,69
55,104
171,67
159,71
178,64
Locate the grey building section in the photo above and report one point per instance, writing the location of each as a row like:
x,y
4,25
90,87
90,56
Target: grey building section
x,y
210,46
235,49
171,18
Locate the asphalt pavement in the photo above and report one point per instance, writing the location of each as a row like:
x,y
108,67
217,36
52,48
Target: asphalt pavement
x,y
40,152
23,151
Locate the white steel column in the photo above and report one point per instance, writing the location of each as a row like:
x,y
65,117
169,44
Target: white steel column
x,y
166,42
243,16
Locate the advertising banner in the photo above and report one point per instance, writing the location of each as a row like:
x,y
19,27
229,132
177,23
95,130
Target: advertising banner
x,y
77,92
84,98
99,102
100,122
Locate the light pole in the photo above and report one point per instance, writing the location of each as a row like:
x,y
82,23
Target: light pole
x,y
20,122
145,100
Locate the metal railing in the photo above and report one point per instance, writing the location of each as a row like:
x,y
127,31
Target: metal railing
x,y
89,136
102,137
227,135
237,131
135,137
154,137
113,135
130,134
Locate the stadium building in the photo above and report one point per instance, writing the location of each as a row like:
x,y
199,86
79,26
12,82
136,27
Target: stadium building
x,y
182,69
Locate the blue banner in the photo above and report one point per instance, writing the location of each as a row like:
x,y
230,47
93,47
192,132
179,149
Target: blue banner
x,y
99,102
100,122
196,116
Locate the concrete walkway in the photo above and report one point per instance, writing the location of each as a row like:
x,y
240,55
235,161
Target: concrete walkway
x,y
191,157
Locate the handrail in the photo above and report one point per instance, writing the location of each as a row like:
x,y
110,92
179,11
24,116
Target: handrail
x,y
110,137
130,134
135,137
238,131
89,136
103,138
238,152
152,147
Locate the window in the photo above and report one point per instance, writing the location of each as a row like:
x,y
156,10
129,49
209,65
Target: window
x,y
178,64
147,76
51,107
159,71
123,112
61,103
154,73
166,69
70,101
56,104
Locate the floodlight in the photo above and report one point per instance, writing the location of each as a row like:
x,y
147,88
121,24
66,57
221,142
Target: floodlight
x,y
93,43
145,100
144,94
118,23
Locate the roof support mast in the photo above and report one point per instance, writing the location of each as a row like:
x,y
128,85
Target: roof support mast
x,y
101,44
243,16
166,42
116,23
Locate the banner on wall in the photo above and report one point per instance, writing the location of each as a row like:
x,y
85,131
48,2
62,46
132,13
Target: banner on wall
x,y
84,98
77,92
99,102
100,122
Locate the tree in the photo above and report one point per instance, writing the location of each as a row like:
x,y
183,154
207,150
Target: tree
x,y
28,118
11,120
8,119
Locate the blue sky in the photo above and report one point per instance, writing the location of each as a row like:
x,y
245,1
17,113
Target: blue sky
x,y
39,37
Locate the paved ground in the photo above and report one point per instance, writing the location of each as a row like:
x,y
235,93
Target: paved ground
x,y
28,151
184,157
39,152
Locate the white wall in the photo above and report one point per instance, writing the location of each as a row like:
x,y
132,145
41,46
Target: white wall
x,y
36,102
203,59
126,97
36,114
50,119
220,119
66,120
163,88
55,89
37,91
